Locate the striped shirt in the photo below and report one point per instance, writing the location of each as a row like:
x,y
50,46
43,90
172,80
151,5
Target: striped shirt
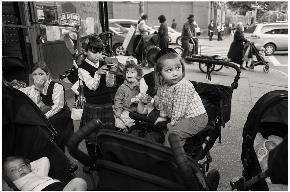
x,y
179,101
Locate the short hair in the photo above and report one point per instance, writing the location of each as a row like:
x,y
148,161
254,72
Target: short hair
x,y
13,158
240,26
159,66
162,18
132,65
42,66
144,17
95,44
9,159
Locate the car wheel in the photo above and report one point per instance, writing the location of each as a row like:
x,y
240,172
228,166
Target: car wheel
x,y
178,40
118,49
269,49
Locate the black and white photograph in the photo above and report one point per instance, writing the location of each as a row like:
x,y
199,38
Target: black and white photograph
x,y
144,95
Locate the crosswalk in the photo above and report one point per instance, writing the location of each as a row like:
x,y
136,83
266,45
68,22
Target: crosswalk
x,y
212,50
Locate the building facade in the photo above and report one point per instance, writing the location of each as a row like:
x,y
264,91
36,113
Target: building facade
x,y
204,11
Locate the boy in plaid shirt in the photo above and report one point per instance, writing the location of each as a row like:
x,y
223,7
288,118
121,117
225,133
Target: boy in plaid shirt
x,y
177,98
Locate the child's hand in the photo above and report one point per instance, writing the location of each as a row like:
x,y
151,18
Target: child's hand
x,y
145,98
160,119
102,70
113,68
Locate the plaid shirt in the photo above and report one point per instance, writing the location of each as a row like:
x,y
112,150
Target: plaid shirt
x,y
180,101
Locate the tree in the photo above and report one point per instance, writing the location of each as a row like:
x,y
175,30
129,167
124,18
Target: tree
x,y
242,7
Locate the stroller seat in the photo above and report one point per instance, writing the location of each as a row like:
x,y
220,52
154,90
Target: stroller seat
x,y
136,164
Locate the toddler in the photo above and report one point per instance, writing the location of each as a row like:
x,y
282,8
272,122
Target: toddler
x,y
128,97
33,176
178,99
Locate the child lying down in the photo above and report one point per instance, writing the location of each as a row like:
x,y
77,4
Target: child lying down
x,y
33,176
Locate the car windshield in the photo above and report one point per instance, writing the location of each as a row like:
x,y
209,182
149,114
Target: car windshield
x,y
117,28
250,29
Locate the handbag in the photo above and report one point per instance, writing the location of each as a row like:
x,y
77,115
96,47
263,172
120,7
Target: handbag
x,y
78,107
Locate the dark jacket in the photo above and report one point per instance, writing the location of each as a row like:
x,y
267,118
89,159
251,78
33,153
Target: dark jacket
x,y
236,51
163,36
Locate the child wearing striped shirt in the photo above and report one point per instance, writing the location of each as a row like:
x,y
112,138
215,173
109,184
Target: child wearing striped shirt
x,y
178,99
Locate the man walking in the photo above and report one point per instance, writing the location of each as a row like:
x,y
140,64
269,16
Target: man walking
x,y
188,34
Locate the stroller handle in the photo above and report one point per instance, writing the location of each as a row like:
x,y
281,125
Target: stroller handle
x,y
235,83
77,137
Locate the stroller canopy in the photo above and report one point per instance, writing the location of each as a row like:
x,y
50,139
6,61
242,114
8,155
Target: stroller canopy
x,y
26,132
269,116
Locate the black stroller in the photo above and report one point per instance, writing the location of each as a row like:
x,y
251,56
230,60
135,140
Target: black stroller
x,y
127,162
260,60
269,116
26,132
217,101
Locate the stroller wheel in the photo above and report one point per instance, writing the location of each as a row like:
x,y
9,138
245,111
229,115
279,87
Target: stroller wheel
x,y
266,68
213,179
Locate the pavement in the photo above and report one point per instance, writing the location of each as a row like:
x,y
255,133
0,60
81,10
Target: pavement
x,y
252,85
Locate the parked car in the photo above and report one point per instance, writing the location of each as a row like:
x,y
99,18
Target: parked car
x,y
119,28
119,34
272,36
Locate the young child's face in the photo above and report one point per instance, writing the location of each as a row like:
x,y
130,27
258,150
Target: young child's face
x,y
16,169
39,77
94,57
131,75
171,71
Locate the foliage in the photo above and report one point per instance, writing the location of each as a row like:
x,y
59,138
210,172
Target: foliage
x,y
242,7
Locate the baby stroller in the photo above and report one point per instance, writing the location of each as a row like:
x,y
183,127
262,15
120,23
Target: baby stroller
x,y
269,116
126,162
251,51
217,102
26,132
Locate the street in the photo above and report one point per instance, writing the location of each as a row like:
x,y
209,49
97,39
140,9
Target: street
x,y
252,85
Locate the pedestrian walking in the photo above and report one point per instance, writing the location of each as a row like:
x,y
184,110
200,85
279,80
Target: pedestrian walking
x,y
220,30
188,34
140,32
174,24
163,32
236,51
210,30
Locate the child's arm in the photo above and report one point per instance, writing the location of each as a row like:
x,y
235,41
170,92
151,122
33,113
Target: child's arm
x,y
118,101
92,82
40,166
58,100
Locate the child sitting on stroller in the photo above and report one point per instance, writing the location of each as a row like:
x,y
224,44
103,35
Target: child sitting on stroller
x,y
178,99
33,176
128,97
